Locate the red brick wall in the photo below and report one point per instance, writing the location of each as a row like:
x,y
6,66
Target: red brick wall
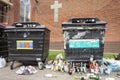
x,y
14,13
106,10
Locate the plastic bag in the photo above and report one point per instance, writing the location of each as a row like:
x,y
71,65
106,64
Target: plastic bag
x,y
108,71
2,62
115,66
26,70
59,56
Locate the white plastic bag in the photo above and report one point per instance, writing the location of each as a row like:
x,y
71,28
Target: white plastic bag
x,y
26,70
2,62
59,56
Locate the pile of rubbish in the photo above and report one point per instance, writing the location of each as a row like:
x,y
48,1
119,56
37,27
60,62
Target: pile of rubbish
x,y
92,70
58,64
61,65
106,66
26,70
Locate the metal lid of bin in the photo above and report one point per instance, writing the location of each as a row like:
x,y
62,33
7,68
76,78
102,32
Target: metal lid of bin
x,y
83,21
26,25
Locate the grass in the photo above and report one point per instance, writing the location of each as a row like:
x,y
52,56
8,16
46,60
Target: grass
x,y
54,53
109,55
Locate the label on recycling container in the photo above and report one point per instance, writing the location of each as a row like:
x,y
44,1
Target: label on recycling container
x,y
84,43
24,44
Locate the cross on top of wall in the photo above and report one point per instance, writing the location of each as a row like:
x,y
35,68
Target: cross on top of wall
x,y
56,6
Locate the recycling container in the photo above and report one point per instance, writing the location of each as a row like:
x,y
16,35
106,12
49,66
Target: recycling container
x,y
83,39
3,43
28,41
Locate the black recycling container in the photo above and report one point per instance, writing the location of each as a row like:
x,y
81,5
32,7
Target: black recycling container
x,y
3,42
28,41
83,39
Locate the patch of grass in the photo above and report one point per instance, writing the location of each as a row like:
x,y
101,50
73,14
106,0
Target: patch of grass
x,y
54,53
109,55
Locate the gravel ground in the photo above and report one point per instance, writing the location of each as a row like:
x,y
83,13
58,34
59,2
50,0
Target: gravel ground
x,y
7,74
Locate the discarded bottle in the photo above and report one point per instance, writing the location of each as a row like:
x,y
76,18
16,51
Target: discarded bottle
x,y
73,69
91,58
94,77
70,69
82,78
84,68
66,67
78,69
81,67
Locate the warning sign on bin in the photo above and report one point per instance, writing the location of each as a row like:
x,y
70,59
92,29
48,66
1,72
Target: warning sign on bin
x,y
24,44
84,43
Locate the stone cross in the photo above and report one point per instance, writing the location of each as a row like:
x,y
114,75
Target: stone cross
x,y
56,6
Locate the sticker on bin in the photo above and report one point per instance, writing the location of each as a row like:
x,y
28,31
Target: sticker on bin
x,y
24,44
84,43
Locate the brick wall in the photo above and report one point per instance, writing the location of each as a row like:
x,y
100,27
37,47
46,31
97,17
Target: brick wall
x,y
14,13
112,47
106,10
